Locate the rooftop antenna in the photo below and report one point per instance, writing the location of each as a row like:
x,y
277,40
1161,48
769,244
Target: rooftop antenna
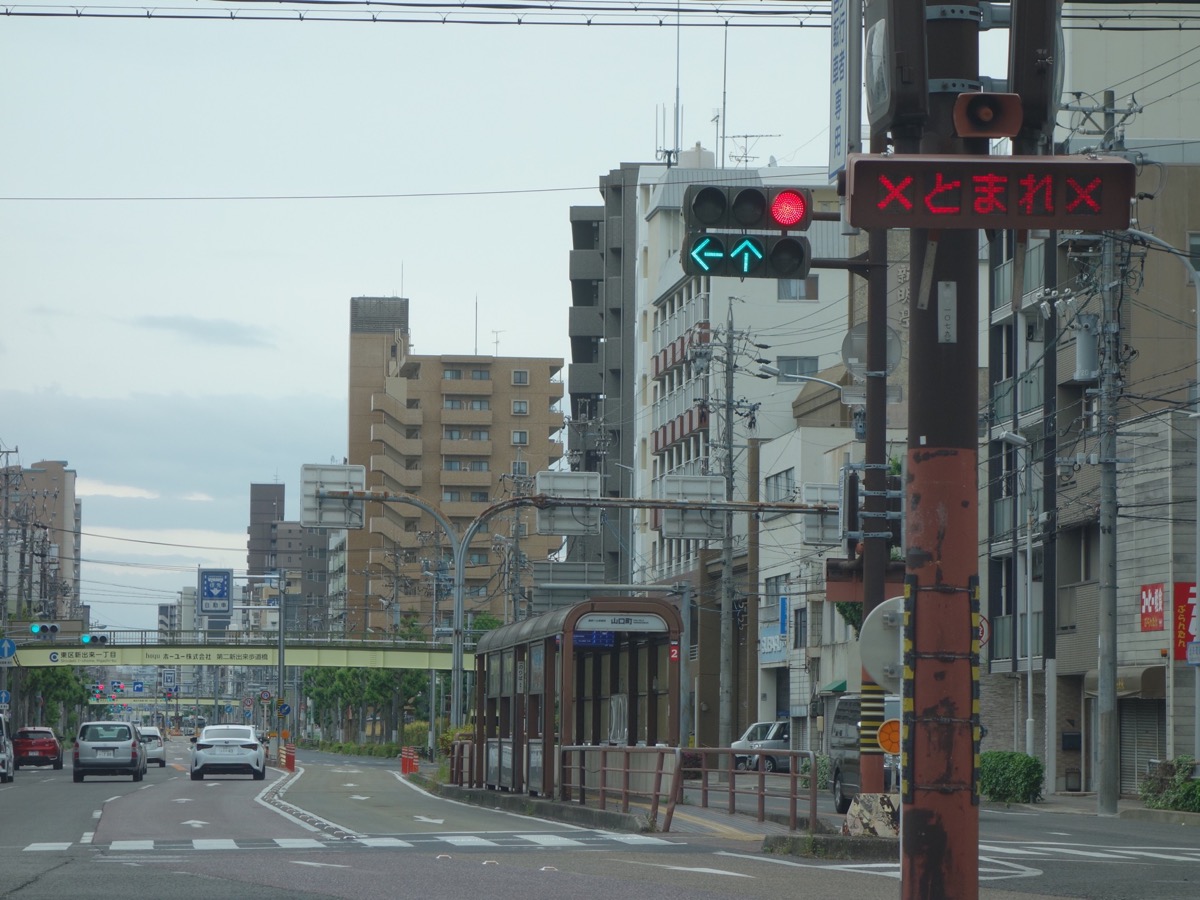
x,y
496,340
672,155
744,156
476,324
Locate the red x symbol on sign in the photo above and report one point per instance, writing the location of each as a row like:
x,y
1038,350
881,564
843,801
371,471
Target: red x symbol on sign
x,y
895,191
1084,195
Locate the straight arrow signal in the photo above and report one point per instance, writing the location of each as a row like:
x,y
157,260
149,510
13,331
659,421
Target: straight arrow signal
x,y
750,252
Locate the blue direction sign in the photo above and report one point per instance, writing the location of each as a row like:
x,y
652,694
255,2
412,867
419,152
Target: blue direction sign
x,y
285,709
5,697
247,714
139,687
8,648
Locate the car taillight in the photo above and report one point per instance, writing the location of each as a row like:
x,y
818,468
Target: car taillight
x,y
249,746
75,754
203,746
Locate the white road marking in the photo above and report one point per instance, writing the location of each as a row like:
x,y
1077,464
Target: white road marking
x,y
359,797
195,823
302,862
551,840
87,837
300,843
467,840
429,820
131,845
214,844
48,846
383,842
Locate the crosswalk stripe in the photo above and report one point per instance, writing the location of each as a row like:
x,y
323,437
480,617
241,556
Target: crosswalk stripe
x,y
214,844
636,839
299,843
382,842
131,845
467,840
50,846
550,840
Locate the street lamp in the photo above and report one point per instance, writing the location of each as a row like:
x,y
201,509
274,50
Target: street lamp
x,y
769,371
1013,439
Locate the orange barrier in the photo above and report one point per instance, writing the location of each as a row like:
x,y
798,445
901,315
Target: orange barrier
x,y
408,760
289,757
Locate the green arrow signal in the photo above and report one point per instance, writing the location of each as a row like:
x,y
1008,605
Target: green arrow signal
x,y
706,251
750,252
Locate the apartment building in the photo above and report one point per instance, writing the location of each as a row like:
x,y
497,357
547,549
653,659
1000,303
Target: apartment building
x,y
456,433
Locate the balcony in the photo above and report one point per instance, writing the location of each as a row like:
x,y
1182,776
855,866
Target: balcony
x,y
585,321
395,408
466,417
1033,281
463,478
397,473
466,448
1029,396
467,387
1002,511
585,378
585,265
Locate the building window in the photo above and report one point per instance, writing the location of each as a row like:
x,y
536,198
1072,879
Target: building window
x,y
520,407
452,374
451,496
520,438
481,375
800,628
413,434
452,434
412,403
520,467
452,465
477,558
479,496
480,434
1194,250
789,366
452,403
481,403
792,289
479,465
520,376
781,487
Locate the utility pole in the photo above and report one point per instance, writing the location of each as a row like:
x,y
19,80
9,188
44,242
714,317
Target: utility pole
x,y
725,721
8,480
1108,737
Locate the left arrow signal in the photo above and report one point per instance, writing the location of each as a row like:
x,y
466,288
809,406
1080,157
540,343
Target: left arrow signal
x,y
707,251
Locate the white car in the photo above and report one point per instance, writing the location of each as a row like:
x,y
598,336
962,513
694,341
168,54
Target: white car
x,y
228,749
152,740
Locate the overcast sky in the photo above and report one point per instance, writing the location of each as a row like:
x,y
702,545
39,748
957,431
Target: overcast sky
x,y
174,342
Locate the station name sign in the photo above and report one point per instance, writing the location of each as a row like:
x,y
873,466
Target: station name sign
x,y
647,622
996,192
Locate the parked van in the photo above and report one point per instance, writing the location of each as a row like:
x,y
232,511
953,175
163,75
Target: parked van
x,y
759,739
843,749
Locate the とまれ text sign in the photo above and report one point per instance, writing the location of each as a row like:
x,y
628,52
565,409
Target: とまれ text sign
x,y
1018,192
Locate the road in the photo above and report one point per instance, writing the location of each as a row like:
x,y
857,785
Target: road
x,y
352,828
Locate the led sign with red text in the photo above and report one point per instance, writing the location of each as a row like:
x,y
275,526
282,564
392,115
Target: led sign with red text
x,y
1009,192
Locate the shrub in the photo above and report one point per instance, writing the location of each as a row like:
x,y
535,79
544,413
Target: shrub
x,y
1170,786
1009,777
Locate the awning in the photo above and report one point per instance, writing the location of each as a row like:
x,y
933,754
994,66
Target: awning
x,y
1146,682
835,687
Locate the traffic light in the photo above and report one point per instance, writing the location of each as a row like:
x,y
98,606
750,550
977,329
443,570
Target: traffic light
x,y
741,231
44,630
93,639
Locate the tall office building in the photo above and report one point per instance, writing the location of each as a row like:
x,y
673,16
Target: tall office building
x,y
275,545
456,433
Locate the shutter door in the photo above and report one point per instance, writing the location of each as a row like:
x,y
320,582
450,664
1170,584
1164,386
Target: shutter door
x,y
1143,738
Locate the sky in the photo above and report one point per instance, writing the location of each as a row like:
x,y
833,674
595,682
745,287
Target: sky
x,y
174,344
187,206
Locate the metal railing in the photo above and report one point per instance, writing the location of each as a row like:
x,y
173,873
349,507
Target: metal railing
x,y
761,784
593,772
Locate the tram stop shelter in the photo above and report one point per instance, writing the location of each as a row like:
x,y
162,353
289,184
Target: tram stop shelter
x,y
601,672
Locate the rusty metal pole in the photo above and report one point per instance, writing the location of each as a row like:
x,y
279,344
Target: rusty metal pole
x,y
940,818
875,547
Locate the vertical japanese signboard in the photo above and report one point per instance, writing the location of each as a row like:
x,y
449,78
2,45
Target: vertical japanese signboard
x,y
1186,620
1152,607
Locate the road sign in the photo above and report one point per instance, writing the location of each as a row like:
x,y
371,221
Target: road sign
x,y
284,710
168,677
264,694
1193,653
248,703
139,686
247,714
985,631
889,736
996,192
8,648
5,697
879,644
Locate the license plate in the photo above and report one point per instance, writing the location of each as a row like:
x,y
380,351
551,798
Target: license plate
x,y
35,752
104,753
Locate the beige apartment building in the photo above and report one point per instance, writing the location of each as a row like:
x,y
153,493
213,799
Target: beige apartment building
x,y
457,433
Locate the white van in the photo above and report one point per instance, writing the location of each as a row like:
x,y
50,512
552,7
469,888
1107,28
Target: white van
x,y
759,739
844,752
7,763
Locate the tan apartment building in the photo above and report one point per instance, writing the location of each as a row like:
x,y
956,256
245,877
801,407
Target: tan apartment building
x,y
457,433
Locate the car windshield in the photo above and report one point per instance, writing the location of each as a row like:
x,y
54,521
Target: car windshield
x,y
227,734
100,732
35,733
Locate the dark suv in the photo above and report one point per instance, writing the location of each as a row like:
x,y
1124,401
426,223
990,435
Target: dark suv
x,y
108,748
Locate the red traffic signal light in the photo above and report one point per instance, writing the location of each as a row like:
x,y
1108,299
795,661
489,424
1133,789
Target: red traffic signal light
x,y
746,208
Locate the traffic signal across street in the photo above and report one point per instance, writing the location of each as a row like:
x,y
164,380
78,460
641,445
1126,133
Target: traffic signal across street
x,y
744,231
